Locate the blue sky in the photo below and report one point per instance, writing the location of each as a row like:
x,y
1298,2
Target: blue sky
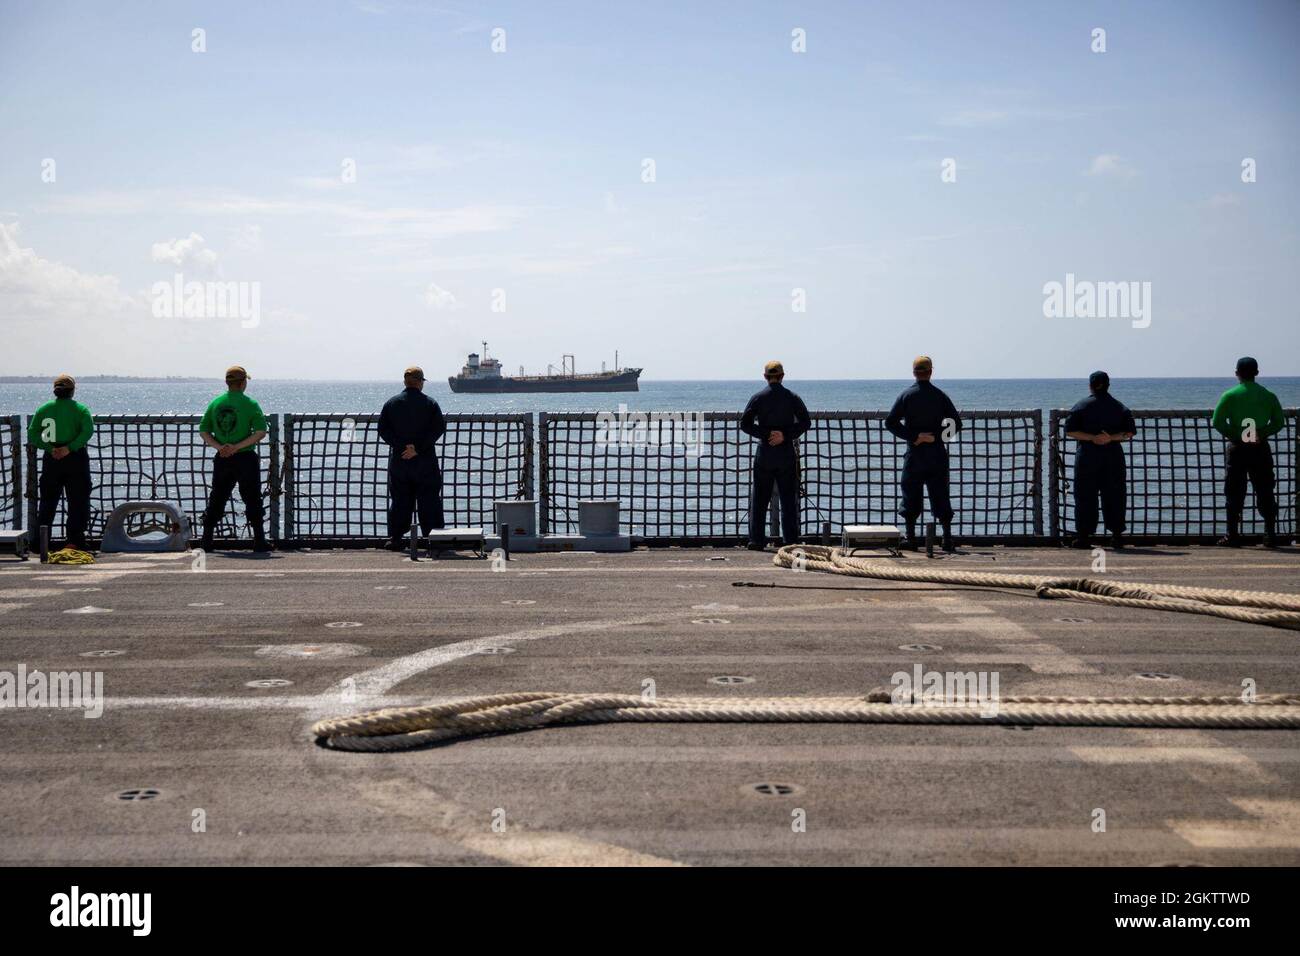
x,y
522,171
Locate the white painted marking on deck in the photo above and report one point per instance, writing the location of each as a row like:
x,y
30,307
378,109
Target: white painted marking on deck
x,y
1035,653
1275,826
1043,658
381,679
89,609
323,705
1159,739
322,651
516,844
1220,756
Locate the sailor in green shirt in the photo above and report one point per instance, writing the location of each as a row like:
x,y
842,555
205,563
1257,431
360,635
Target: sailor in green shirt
x,y
232,425
1246,416
61,428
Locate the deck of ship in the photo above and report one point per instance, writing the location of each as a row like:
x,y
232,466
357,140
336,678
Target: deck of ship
x,y
185,656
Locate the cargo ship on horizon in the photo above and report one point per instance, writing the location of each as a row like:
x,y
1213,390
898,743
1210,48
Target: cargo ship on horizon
x,y
483,374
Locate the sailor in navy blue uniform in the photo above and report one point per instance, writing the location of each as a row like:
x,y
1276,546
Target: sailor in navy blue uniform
x,y
925,417
775,416
1099,423
409,424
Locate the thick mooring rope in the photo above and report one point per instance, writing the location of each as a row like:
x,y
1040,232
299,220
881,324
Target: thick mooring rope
x,y
401,728
1251,607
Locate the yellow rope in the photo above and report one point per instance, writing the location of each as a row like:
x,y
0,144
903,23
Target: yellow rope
x,y
70,556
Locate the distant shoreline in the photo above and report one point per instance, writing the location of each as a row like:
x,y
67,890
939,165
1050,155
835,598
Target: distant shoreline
x,y
193,379
103,379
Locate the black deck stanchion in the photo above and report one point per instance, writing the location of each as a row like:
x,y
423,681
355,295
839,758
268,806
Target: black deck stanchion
x,y
415,542
929,539
45,544
505,541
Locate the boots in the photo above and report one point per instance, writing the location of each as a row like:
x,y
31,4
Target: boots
x,y
205,542
1271,540
1117,540
948,544
260,544
1233,538
909,543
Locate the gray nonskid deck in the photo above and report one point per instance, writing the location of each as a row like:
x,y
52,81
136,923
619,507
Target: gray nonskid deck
x,y
352,629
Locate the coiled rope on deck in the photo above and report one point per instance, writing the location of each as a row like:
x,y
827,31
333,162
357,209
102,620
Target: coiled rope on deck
x,y
1271,608
402,728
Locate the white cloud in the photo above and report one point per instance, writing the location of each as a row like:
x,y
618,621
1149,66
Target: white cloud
x,y
318,183
1110,164
37,286
438,298
1219,200
188,253
247,238
352,218
969,119
985,117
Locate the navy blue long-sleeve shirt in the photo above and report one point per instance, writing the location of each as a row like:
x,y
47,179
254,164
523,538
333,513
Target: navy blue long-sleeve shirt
x,y
1100,413
411,418
775,408
921,408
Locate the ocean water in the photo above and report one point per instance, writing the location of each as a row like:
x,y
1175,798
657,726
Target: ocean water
x,y
190,398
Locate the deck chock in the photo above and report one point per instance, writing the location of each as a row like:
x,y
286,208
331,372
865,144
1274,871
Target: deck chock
x,y
456,539
598,521
551,543
519,516
175,527
869,536
15,541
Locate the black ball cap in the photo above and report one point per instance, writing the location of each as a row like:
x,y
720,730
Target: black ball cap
x,y
1099,380
1247,366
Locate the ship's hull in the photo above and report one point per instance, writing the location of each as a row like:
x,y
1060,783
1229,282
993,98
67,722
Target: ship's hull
x,y
624,381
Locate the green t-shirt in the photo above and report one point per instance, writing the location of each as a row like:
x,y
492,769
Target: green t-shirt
x,y
1244,402
232,417
72,425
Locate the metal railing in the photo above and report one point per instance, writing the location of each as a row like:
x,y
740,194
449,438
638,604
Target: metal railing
x,y
11,469
683,479
1175,469
158,458
678,479
336,473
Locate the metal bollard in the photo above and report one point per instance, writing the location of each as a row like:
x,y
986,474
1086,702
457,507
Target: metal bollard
x,y
826,533
929,540
415,542
505,541
45,544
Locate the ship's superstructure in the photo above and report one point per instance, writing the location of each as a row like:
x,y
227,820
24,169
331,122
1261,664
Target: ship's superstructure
x,y
481,373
